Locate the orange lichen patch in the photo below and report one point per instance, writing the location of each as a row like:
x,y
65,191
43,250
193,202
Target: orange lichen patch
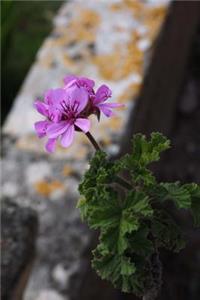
x,y
154,19
47,61
89,18
67,170
68,62
62,36
135,59
81,33
130,93
137,8
102,63
79,29
135,36
157,12
83,28
120,63
45,188
116,6
62,40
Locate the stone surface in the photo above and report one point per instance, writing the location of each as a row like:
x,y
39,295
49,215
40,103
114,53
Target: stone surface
x,y
111,42
18,237
50,295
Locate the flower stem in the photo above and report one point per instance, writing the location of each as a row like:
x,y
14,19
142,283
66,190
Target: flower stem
x,y
93,141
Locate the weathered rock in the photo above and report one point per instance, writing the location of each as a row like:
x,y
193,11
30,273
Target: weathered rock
x,y
19,229
50,295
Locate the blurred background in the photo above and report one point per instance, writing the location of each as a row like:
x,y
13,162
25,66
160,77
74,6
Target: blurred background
x,y
148,52
24,25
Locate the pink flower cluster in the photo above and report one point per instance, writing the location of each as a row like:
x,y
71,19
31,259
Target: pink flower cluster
x,y
67,109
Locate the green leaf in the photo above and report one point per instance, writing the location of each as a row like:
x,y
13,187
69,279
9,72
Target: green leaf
x,y
141,175
127,224
145,152
140,243
138,202
178,193
167,232
100,207
115,267
194,190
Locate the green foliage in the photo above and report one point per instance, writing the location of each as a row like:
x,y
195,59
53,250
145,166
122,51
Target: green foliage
x,y
133,223
194,191
168,234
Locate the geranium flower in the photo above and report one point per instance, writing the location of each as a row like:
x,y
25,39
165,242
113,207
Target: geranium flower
x,y
67,109
64,112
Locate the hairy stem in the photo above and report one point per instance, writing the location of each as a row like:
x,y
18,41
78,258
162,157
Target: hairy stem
x,y
93,141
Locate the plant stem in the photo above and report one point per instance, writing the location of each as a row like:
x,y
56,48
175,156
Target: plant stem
x,y
93,141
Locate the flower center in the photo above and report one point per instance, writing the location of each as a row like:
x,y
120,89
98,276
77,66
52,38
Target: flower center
x,y
69,111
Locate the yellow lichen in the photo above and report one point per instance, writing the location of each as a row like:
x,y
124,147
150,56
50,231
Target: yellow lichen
x,y
137,8
79,29
153,20
117,6
83,27
89,18
120,64
68,62
67,170
45,188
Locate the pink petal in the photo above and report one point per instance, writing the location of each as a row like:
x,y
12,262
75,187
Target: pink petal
x,y
55,97
83,124
50,145
78,98
67,79
56,129
41,107
102,94
47,96
113,105
106,108
86,82
55,114
41,128
59,95
81,81
68,136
